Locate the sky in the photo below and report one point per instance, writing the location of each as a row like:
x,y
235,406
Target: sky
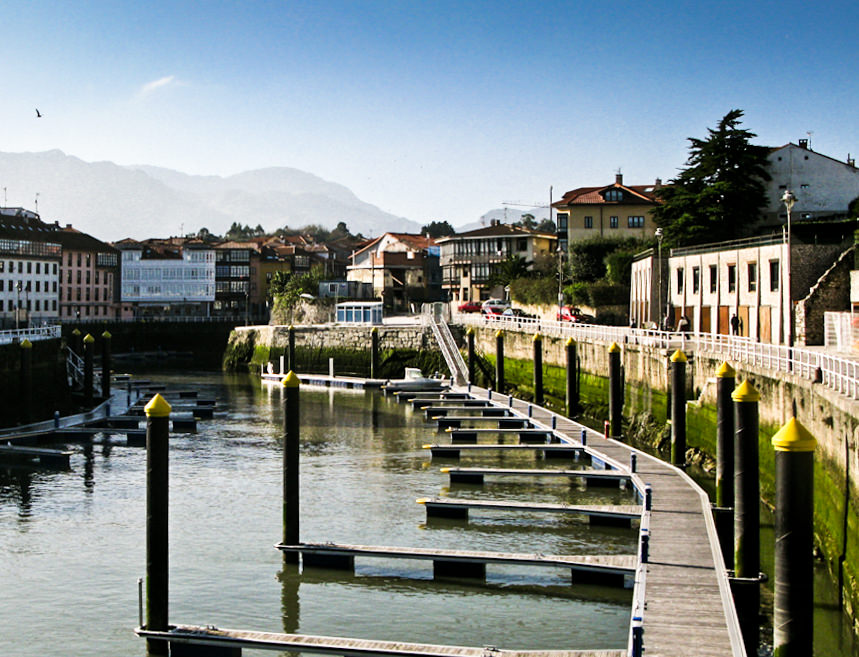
x,y
435,111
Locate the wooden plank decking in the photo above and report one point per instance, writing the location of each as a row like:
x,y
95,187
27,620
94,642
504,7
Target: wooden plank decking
x,y
625,511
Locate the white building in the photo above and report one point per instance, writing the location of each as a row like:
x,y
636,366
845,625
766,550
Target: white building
x,y
29,269
823,186
157,276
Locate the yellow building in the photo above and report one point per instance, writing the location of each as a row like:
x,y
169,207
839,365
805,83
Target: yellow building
x,y
616,210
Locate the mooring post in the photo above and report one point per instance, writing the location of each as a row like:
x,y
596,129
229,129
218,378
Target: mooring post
x,y
291,433
290,352
793,624
26,380
157,439
572,378
105,364
76,342
747,524
374,352
499,361
538,369
678,409
88,371
469,335
615,392
724,511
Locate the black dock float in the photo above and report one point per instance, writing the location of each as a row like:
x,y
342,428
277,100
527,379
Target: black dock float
x,y
115,422
610,570
50,457
593,478
184,424
553,451
135,438
597,514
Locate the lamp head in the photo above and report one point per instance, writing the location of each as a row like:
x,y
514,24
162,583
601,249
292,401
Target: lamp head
x,y
788,198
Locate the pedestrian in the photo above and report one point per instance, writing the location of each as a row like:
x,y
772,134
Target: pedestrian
x,y
735,324
683,324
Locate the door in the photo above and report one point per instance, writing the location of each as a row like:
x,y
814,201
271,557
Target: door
x,y
724,324
766,324
744,320
705,319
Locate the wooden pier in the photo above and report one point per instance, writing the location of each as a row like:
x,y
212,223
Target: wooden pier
x,y
615,514
590,477
547,450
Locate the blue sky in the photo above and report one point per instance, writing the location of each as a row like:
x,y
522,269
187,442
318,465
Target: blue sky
x,y
430,110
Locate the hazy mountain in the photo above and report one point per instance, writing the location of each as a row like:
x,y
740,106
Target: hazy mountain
x,y
112,202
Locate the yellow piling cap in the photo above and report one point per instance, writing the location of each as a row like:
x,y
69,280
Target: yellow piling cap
x,y
427,446
746,393
375,329
537,337
725,371
76,332
793,437
157,407
291,380
422,500
26,344
678,357
614,348
88,339
291,328
499,333
106,335
444,470
569,342
470,331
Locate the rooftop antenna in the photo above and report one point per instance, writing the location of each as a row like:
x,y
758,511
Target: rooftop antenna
x,y
809,133
5,204
37,202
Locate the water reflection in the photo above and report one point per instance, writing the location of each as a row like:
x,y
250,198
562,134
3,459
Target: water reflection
x,y
290,604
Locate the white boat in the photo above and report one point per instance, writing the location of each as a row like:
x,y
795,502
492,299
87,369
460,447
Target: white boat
x,y
415,380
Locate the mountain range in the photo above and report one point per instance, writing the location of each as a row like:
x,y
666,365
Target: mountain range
x,y
112,202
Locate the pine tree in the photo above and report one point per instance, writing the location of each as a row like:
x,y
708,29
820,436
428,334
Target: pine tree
x,y
720,194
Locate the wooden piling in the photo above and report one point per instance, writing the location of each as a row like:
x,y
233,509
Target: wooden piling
x,y
374,353
105,364
793,622
538,369
157,437
291,365
469,334
88,369
572,378
26,380
291,437
615,392
678,409
499,361
724,510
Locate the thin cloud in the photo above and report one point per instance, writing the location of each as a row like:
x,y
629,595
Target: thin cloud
x,y
151,87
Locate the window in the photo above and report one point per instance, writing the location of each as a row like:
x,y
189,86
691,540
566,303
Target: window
x,y
635,222
732,278
69,260
29,267
696,280
38,286
714,278
753,276
612,222
562,220
614,195
804,186
775,275
2,265
38,267
521,244
589,222
679,279
55,269
79,259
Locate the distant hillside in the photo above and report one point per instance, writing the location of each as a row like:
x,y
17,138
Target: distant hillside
x,y
112,202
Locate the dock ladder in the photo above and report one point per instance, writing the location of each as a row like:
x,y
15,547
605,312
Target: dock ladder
x,y
433,315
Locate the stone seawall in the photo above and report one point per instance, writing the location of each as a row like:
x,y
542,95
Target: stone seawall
x,y
344,337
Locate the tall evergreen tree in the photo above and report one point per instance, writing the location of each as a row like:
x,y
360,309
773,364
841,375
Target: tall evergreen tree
x,y
720,194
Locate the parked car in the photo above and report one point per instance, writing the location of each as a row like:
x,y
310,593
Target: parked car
x,y
496,306
470,307
491,312
517,313
575,315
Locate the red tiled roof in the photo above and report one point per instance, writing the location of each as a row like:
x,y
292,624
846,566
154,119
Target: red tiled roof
x,y
594,195
498,230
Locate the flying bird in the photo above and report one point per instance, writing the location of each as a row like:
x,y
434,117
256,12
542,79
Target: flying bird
x,y
38,113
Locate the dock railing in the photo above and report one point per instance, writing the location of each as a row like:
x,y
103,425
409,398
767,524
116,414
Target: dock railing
x,y
827,368
31,334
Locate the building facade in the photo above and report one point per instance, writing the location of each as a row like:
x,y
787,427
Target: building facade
x,y
89,277
167,277
616,210
468,259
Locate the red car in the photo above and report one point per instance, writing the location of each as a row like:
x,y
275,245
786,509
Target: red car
x,y
469,307
574,315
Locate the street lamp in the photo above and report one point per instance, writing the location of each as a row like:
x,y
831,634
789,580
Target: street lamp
x,y
659,236
789,200
17,304
560,281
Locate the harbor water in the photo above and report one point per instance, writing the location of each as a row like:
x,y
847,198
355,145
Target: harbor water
x,y
72,543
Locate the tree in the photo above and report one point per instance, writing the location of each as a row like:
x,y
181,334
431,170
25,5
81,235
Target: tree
x,y
721,192
509,269
438,229
546,226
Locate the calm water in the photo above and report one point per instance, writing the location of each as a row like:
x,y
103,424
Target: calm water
x,y
72,544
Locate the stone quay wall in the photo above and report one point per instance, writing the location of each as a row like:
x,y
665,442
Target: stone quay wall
x,y
357,338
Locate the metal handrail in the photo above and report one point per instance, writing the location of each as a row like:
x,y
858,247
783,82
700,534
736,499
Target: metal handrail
x,y
831,370
31,334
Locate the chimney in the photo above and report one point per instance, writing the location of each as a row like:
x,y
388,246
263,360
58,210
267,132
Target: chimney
x,y
658,183
803,143
851,161
618,178
68,226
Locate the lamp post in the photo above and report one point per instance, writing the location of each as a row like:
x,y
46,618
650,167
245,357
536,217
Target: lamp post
x,y
17,304
789,199
659,236
560,280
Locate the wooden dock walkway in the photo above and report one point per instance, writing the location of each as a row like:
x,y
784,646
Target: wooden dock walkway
x,y
328,645
548,450
449,507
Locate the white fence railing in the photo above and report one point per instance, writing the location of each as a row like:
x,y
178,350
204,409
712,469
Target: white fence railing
x,y
31,334
831,369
